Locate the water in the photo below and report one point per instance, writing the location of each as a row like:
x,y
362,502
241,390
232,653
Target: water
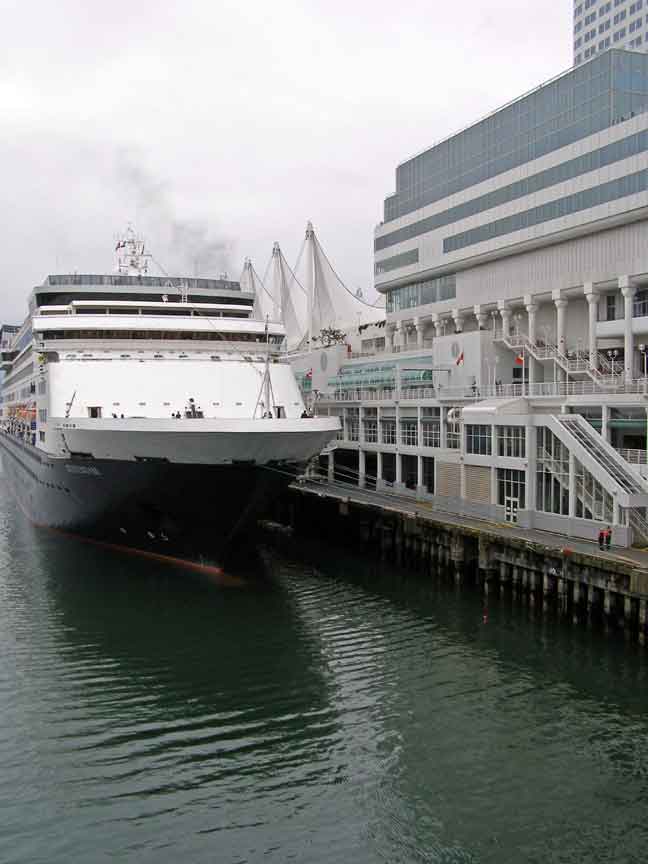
x,y
325,713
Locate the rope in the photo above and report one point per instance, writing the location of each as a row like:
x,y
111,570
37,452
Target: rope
x,y
359,299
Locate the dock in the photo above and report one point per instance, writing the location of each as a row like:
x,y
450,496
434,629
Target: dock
x,y
544,570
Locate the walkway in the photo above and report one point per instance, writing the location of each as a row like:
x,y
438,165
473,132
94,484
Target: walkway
x,y
422,509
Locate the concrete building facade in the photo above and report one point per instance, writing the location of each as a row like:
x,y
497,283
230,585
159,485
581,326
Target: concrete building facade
x,y
603,24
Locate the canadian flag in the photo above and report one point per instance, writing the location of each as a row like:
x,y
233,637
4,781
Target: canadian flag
x,y
309,374
520,360
460,359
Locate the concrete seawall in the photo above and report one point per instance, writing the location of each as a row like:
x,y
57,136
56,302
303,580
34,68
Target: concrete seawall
x,y
544,570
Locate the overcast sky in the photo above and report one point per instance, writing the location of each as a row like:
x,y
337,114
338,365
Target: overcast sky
x,y
219,127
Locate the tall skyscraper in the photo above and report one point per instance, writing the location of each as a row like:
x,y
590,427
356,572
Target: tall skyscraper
x,y
603,24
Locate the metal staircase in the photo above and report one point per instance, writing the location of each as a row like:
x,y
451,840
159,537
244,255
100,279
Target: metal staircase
x,y
604,454
604,374
615,469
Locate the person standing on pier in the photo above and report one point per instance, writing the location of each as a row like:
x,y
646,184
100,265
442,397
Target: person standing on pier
x,y
601,538
608,538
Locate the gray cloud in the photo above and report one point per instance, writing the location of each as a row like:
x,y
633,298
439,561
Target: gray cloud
x,y
218,128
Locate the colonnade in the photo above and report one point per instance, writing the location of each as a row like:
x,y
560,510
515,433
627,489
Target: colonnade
x,y
502,313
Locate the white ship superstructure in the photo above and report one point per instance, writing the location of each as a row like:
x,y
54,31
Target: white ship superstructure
x,y
134,379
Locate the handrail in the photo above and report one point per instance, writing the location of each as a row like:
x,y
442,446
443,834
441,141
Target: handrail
x,y
633,456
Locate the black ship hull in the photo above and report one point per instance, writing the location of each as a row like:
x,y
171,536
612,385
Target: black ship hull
x,y
198,512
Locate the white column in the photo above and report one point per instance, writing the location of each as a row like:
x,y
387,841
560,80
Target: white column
x,y
605,416
418,326
530,451
531,309
362,468
419,473
390,338
505,312
457,317
436,320
561,320
572,485
399,467
481,317
398,335
379,466
331,466
592,303
628,290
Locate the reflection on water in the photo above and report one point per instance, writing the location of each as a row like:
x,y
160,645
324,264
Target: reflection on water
x,y
325,712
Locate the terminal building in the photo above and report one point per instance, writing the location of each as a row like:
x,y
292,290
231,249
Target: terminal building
x,y
511,381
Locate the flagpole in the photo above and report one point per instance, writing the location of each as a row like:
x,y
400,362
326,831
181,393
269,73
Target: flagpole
x,y
523,370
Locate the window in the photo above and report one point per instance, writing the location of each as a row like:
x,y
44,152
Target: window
x,y
578,42
431,431
511,441
592,501
604,43
371,431
604,26
589,19
478,440
635,25
636,7
422,293
604,9
388,431
94,412
620,34
42,415
353,424
405,259
511,484
409,433
552,474
610,307
41,436
620,16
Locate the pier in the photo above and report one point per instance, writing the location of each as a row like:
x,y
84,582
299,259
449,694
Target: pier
x,y
546,571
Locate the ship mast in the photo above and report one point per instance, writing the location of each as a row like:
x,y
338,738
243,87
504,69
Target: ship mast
x,y
132,258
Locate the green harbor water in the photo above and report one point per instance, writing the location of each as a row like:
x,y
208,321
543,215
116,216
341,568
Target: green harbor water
x,y
327,710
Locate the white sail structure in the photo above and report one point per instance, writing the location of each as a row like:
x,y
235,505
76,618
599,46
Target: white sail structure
x,y
292,298
332,305
313,297
266,307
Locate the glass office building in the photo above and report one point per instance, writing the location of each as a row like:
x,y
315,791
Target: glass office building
x,y
583,101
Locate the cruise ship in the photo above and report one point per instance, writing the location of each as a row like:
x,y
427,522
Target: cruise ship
x,y
154,412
